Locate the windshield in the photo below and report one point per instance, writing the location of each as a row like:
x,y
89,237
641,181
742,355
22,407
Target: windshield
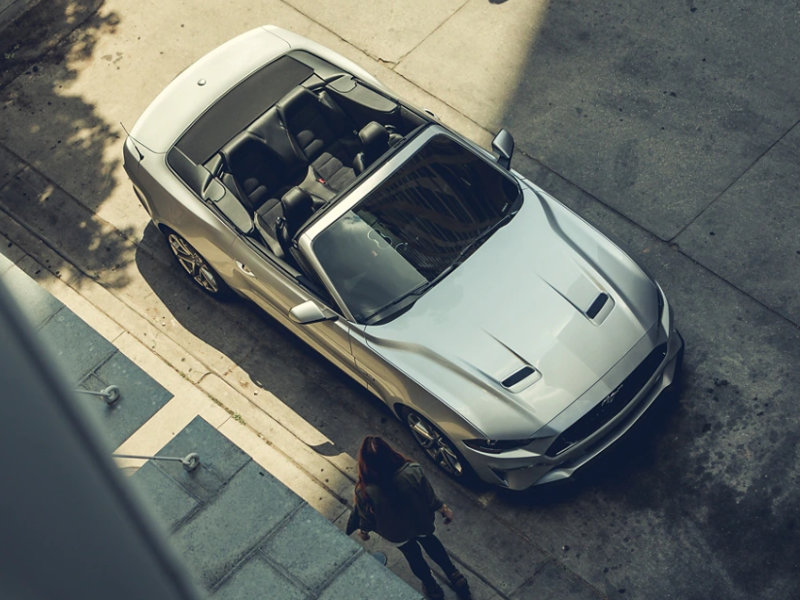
x,y
420,223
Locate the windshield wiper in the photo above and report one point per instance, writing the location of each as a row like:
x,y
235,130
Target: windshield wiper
x,y
376,318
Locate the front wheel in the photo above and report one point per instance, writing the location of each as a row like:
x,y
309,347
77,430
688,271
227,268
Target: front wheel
x,y
437,446
196,267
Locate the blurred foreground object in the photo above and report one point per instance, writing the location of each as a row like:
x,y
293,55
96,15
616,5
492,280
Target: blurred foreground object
x,y
70,526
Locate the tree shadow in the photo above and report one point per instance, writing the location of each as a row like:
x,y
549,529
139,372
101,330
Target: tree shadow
x,y
54,134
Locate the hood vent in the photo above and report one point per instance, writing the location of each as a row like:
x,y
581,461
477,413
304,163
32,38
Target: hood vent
x,y
597,306
515,378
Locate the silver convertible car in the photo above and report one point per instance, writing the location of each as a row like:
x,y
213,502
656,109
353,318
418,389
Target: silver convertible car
x,y
514,340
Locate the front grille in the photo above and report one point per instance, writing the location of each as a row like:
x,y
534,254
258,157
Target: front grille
x,y
611,405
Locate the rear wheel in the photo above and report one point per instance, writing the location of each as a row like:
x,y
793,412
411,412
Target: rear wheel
x,y
196,267
436,445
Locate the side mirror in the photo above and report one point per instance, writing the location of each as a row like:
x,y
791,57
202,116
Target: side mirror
x,y
503,144
310,312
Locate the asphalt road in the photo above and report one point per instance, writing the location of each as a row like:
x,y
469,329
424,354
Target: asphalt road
x,y
672,127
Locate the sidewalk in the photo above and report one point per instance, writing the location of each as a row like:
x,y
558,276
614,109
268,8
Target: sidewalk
x,y
239,529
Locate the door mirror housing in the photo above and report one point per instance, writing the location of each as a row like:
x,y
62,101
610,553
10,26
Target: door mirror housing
x,y
503,145
310,312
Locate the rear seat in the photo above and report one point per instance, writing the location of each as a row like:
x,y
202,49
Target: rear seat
x,y
322,134
253,170
304,141
270,128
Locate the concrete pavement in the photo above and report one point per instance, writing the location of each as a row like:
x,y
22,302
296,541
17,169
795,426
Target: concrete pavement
x,y
240,531
674,128
10,10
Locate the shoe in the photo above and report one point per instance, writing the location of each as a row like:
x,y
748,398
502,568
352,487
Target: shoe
x,y
460,585
433,591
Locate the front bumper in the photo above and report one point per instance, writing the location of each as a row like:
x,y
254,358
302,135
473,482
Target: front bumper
x,y
520,471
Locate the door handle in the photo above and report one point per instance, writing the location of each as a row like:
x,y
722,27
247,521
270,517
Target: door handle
x,y
245,269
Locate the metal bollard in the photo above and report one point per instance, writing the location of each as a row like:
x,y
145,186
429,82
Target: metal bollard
x,y
111,393
190,462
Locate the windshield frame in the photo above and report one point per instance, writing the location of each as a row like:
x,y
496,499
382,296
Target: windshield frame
x,y
379,176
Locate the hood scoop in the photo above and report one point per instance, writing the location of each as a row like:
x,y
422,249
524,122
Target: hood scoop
x,y
599,309
583,291
521,379
597,306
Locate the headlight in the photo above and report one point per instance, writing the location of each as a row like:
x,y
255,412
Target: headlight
x,y
496,446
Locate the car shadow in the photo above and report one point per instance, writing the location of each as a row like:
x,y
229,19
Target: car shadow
x,y
338,407
274,359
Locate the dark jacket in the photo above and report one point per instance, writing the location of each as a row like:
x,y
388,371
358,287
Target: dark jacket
x,y
402,509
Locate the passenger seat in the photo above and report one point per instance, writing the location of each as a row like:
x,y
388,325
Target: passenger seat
x,y
323,134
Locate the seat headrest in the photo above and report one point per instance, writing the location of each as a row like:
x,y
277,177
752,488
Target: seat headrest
x,y
295,100
374,139
297,207
246,152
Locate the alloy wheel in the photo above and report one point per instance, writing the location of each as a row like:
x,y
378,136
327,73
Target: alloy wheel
x,y
194,264
436,445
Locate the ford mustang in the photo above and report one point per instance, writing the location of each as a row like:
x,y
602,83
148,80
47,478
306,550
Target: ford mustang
x,y
514,340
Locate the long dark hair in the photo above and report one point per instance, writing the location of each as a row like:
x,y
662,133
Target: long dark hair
x,y
377,464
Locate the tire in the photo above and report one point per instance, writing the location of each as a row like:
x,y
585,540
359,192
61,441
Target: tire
x,y
197,268
438,448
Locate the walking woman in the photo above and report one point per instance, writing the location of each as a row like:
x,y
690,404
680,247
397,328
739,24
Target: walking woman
x,y
394,499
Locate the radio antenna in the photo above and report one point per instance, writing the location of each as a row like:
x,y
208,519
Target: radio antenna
x,y
141,156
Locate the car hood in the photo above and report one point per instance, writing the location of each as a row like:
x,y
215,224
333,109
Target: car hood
x,y
547,292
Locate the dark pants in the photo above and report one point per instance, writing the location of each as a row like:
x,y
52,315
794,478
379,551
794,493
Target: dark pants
x,y
433,548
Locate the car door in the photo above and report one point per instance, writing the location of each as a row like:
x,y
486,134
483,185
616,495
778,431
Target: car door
x,y
277,288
